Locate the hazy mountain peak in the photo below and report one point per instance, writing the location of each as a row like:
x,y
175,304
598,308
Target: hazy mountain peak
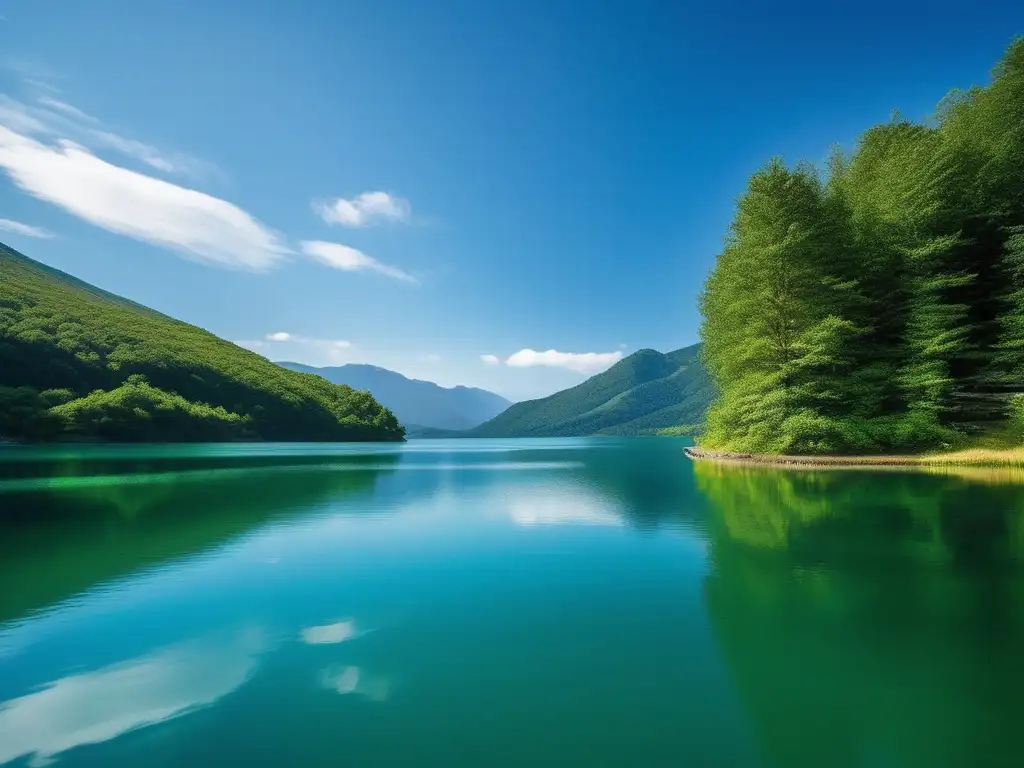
x,y
415,401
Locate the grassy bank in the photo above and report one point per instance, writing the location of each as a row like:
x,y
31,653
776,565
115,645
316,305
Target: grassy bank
x,y
974,457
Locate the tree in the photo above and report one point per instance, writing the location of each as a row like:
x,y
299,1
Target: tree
x,y
884,308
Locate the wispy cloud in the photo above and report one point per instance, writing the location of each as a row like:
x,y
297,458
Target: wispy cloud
x,y
120,200
307,349
147,154
7,225
17,117
48,147
351,260
580,362
48,117
284,336
67,109
364,210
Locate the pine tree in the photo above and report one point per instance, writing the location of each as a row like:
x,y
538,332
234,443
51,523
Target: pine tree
x,y
883,309
773,313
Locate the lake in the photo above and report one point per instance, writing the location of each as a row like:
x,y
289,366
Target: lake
x,y
577,602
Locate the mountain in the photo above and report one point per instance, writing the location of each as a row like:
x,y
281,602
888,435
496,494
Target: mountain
x,y
79,362
640,394
417,404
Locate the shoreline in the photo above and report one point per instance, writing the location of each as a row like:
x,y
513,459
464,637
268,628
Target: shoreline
x,y
969,458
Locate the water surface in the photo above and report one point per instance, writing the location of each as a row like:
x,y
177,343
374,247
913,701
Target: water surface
x,y
502,603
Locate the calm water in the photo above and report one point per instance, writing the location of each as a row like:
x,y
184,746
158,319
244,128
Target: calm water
x,y
514,603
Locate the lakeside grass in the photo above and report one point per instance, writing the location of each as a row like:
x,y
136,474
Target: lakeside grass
x,y
988,458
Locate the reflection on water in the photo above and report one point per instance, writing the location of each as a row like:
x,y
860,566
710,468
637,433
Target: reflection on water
x,y
502,603
353,680
883,612
338,632
549,505
73,536
92,707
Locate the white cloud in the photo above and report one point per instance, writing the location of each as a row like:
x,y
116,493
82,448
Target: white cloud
x,y
490,359
47,148
53,118
96,706
7,225
331,351
17,117
140,151
366,209
432,358
580,362
119,200
66,108
330,343
349,259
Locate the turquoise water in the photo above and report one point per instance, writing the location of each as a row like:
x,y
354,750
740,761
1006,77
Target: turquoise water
x,y
502,603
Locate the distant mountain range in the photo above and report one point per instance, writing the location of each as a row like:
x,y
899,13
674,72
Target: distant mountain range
x,y
418,404
640,394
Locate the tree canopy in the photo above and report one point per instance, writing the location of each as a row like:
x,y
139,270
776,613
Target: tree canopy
x,y
878,305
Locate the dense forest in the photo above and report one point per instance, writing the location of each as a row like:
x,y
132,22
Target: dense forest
x,y
879,305
77,362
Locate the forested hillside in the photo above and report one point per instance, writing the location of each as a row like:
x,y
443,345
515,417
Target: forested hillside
x,y
638,395
78,362
879,306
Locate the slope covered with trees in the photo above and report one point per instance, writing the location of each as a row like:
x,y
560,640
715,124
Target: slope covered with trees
x,y
878,306
641,393
78,362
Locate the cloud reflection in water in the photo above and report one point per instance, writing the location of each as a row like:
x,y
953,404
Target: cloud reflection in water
x,y
353,680
93,707
561,507
337,632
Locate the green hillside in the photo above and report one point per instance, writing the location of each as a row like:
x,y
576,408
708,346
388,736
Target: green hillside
x,y
640,394
77,362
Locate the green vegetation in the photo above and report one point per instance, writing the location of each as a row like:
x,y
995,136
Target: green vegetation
x,y
640,394
879,307
77,362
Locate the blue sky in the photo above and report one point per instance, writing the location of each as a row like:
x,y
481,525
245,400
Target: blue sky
x,y
444,188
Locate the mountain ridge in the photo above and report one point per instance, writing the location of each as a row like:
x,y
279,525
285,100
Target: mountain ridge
x,y
417,403
640,394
